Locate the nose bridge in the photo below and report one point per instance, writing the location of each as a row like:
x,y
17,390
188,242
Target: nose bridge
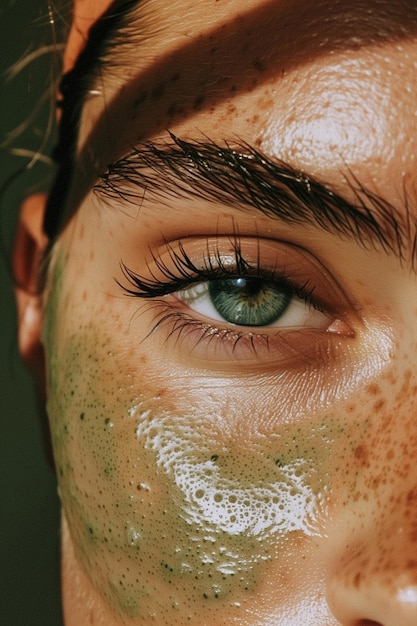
x,y
374,575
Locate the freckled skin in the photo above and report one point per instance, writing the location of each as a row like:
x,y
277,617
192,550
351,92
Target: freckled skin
x,y
205,490
208,524
151,483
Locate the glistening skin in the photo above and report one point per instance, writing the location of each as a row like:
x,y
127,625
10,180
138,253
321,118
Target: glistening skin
x,y
247,160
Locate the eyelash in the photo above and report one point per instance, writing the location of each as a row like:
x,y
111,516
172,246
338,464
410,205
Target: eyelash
x,y
187,274
173,271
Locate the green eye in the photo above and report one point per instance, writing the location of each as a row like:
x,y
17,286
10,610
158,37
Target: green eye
x,y
249,301
252,301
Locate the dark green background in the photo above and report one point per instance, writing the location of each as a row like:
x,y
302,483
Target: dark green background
x,y
29,513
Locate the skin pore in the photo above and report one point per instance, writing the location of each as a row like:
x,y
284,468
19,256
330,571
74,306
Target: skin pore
x,y
212,472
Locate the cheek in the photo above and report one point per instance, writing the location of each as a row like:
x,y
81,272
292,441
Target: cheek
x,y
167,510
163,513
177,504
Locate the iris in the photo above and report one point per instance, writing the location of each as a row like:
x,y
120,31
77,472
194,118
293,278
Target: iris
x,y
249,301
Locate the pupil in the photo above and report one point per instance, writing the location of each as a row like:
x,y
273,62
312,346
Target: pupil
x,y
249,301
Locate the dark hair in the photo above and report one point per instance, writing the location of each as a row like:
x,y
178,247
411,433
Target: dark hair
x,y
119,26
73,89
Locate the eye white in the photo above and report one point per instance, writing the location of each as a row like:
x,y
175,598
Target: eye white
x,y
298,314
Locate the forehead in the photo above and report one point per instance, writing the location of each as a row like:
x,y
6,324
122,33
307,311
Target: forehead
x,y
304,81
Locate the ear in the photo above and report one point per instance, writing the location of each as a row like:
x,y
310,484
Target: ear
x,y
30,244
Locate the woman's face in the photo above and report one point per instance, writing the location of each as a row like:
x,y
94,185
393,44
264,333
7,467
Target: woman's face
x,y
230,346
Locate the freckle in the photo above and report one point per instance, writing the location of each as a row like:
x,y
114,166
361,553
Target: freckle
x,y
140,99
375,483
361,454
373,389
265,103
231,108
405,387
198,102
412,496
175,109
379,404
158,92
84,296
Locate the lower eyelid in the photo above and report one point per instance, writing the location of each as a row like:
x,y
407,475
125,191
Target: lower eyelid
x,y
209,345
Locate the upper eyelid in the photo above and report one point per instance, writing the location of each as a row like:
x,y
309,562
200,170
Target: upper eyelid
x,y
185,268
242,177
148,287
300,270
212,265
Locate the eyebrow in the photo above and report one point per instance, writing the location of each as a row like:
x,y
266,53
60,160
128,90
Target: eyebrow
x,y
122,31
241,176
